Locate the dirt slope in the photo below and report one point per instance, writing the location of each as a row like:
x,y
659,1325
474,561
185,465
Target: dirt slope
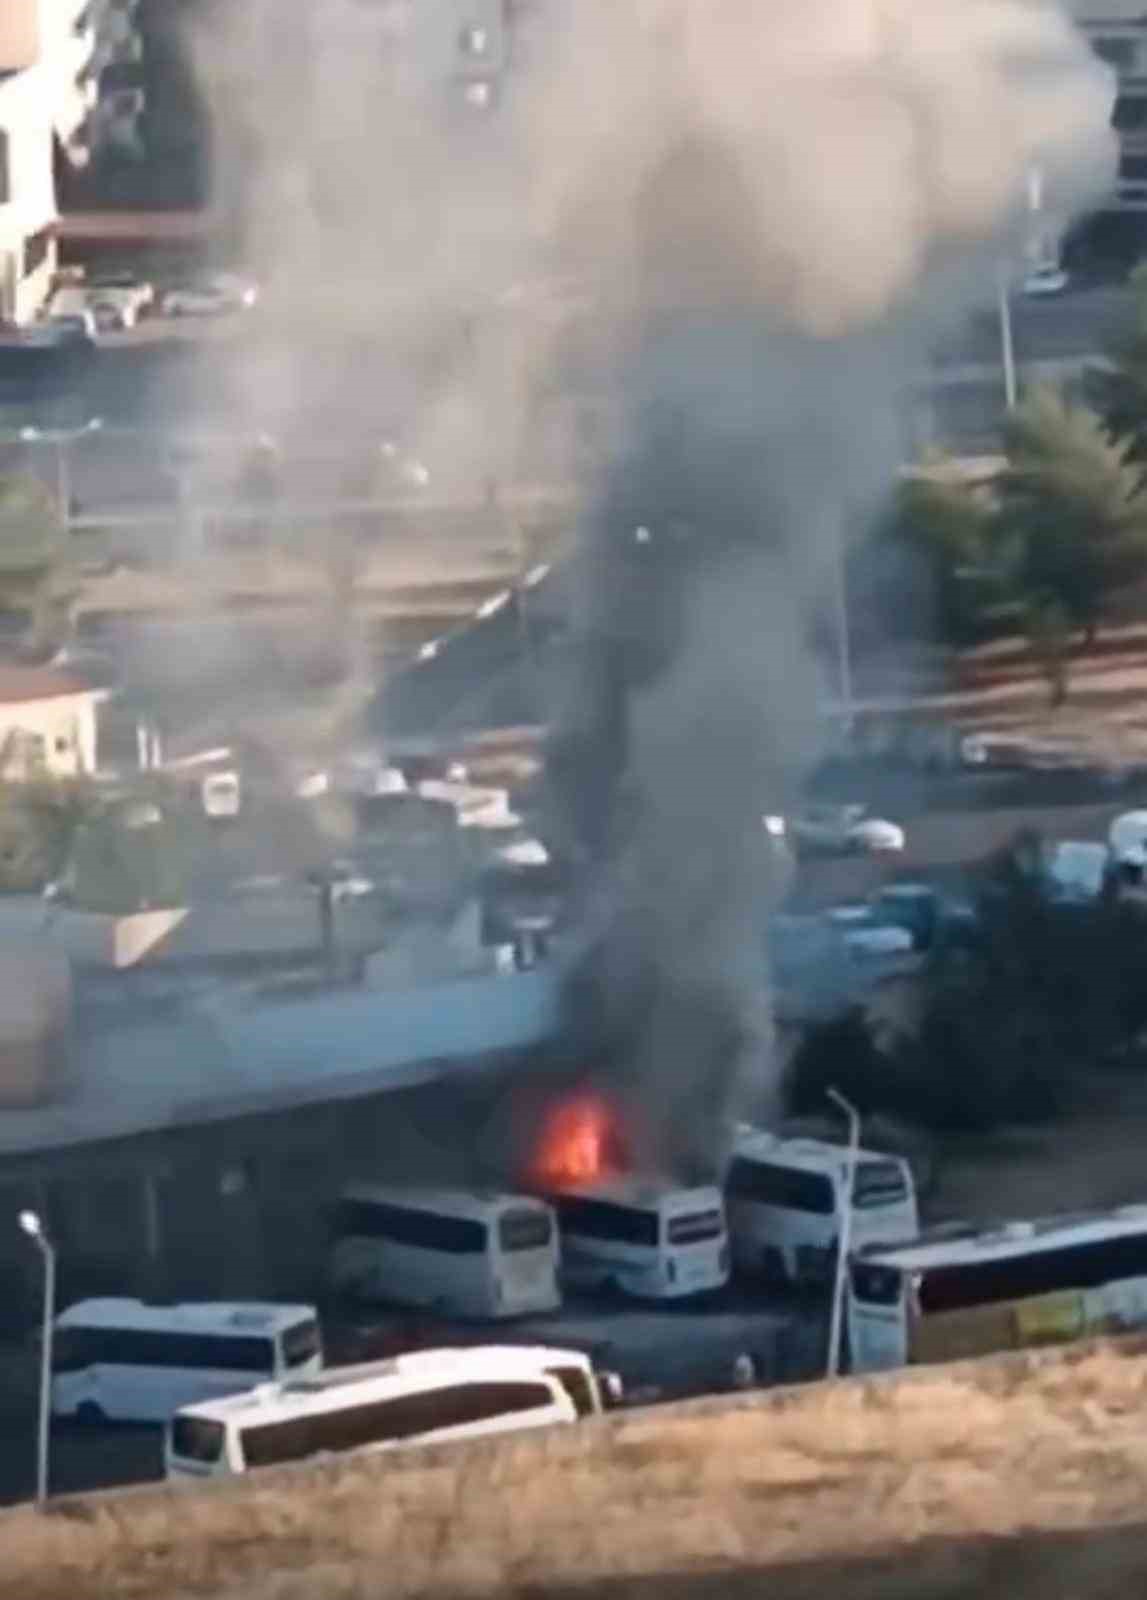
x,y
1021,1477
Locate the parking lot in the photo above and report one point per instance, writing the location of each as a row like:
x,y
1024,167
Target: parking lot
x,y
660,1353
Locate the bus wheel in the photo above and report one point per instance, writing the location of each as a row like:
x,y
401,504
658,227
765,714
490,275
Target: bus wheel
x,y
89,1414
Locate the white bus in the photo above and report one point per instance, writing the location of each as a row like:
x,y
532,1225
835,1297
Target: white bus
x,y
126,1360
785,1199
646,1239
429,1397
461,1254
966,1291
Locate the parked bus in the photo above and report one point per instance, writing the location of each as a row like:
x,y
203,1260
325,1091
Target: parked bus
x,y
785,1199
461,1254
964,1292
429,1397
128,1361
642,1238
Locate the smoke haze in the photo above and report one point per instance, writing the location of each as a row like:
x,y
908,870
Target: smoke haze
x,y
779,204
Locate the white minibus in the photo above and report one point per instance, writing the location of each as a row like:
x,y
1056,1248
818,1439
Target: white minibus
x,y
967,1291
429,1397
129,1361
648,1239
785,1198
459,1253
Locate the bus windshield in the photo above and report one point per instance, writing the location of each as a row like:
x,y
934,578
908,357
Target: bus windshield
x,y
580,1388
197,1439
695,1226
301,1343
879,1183
526,1229
875,1285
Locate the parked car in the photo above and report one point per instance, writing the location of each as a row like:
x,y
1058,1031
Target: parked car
x,y
866,934
119,298
1046,280
844,830
222,795
212,296
1127,838
931,916
1076,871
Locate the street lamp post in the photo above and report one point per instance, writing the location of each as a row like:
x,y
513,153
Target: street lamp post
x,y
844,1242
31,1224
844,641
1007,344
62,439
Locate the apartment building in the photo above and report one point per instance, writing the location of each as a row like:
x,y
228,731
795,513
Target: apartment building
x,y
1117,32
59,96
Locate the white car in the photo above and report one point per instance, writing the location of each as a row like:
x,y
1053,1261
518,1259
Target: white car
x,y
1127,839
866,935
222,795
1045,280
69,304
210,297
313,783
1076,870
845,830
118,298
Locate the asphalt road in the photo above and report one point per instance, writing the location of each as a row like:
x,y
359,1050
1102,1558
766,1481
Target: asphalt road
x,y
182,378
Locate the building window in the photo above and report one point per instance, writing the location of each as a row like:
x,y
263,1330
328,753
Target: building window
x,y
5,173
1133,169
1118,53
36,250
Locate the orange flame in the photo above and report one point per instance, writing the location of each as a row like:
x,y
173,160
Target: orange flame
x,y
578,1144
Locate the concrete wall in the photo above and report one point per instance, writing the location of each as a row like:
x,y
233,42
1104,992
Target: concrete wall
x,y
1021,1478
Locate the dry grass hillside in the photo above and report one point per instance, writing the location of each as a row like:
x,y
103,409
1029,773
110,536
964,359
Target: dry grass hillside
x,y
1023,1477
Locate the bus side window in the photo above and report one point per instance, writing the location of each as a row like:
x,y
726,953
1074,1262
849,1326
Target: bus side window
x,y
788,1188
426,1230
73,1349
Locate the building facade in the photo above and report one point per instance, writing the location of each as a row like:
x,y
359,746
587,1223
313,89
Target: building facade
x,y
60,63
1117,32
48,725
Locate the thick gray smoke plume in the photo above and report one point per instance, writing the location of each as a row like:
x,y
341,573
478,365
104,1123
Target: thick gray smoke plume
x,y
779,203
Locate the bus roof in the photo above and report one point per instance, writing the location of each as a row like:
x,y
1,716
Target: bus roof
x,y
956,1245
207,1316
809,1155
644,1194
477,1203
381,1380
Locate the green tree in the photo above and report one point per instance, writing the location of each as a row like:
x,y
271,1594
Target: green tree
x,y
1072,518
35,579
1121,391
946,527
